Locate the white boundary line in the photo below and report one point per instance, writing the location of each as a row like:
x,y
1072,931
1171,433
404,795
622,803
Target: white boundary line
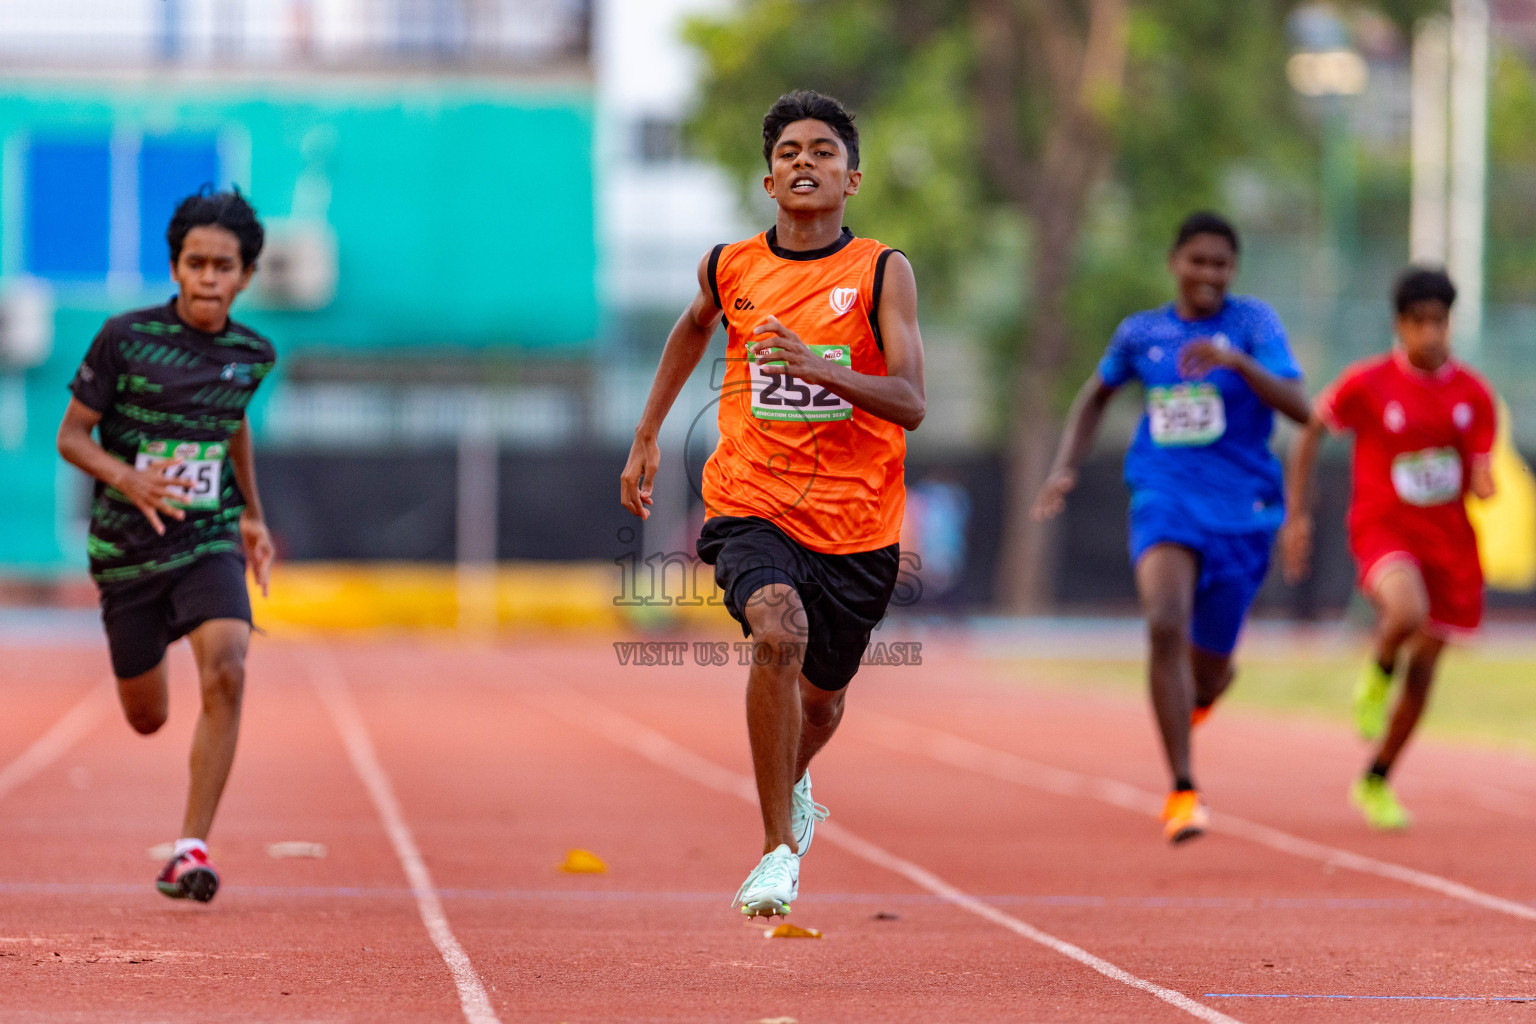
x,y
332,688
55,743
957,752
589,715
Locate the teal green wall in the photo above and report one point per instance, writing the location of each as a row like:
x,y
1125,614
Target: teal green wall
x,y
463,213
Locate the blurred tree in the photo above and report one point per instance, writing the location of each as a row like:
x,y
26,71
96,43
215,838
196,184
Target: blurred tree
x,y
1512,177
1093,125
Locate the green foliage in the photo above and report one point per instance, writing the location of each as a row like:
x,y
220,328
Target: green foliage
x,y
1479,698
1205,92
922,191
1512,178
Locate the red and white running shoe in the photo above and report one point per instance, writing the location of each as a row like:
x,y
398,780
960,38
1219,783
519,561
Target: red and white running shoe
x,y
189,876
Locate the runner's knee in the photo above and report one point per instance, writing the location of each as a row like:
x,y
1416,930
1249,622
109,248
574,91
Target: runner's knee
x,y
1404,618
1167,628
777,618
144,700
145,720
1402,601
820,708
223,679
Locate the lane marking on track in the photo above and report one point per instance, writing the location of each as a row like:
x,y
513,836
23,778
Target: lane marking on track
x,y
851,898
591,716
957,752
1438,999
64,734
331,685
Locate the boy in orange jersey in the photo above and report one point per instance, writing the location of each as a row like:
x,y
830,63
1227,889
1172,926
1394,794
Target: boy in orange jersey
x,y
804,492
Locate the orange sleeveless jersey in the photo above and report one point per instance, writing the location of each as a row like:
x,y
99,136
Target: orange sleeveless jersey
x,y
828,474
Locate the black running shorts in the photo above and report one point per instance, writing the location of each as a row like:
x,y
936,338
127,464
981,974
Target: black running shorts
x,y
844,596
144,616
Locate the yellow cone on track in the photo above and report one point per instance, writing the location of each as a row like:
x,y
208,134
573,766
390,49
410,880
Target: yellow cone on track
x,y
791,931
1506,523
583,862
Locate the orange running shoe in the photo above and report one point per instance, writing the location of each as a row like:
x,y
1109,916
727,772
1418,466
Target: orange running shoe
x,y
1184,816
1198,716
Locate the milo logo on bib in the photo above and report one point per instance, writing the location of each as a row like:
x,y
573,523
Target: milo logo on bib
x,y
201,467
1186,415
778,394
1428,477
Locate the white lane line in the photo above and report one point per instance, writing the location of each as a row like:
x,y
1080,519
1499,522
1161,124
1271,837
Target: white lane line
x,y
965,754
587,714
55,743
332,688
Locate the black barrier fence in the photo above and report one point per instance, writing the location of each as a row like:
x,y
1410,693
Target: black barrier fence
x,y
564,506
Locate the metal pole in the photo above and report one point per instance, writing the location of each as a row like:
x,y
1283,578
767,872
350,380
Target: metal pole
x,y
476,522
1427,241
1469,168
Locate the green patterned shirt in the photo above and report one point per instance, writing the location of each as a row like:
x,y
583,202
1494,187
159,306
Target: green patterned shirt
x,y
160,384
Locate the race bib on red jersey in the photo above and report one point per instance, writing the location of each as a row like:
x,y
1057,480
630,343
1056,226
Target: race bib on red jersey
x,y
1428,477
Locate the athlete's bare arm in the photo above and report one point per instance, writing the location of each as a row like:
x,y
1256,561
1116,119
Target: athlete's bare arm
x,y
1076,442
898,396
685,347
253,525
1285,395
1481,478
150,489
1296,532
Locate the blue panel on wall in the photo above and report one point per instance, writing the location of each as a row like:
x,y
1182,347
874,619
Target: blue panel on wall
x,y
69,208
171,167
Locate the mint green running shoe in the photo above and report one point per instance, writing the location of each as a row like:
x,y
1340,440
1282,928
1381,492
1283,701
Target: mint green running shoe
x,y
1374,798
804,814
1370,703
772,886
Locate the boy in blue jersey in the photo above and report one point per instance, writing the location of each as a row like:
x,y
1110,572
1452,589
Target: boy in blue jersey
x,y
1205,489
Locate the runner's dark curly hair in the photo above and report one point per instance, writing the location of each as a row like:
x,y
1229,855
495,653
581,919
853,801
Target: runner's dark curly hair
x,y
1204,222
228,210
1422,284
802,105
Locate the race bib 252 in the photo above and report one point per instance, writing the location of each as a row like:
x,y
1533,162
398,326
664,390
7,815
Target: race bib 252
x,y
779,395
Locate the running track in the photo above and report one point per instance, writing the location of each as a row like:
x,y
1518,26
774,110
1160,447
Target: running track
x,y
1007,830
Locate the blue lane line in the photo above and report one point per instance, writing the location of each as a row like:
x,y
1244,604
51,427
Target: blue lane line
x,y
1442,999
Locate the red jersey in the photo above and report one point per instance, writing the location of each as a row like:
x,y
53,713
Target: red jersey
x,y
825,472
1416,437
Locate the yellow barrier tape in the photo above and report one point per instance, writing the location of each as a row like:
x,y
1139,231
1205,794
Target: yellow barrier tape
x,y
405,596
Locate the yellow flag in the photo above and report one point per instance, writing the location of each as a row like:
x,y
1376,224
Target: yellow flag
x,y
1506,523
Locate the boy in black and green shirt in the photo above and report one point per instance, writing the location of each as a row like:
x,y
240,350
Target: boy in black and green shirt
x,y
176,513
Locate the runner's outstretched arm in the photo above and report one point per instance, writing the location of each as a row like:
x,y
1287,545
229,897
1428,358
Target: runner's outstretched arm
x,y
897,396
150,489
253,525
1296,533
1076,441
1285,395
685,347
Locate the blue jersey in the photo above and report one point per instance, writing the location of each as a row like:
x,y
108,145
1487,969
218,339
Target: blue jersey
x,y
1202,446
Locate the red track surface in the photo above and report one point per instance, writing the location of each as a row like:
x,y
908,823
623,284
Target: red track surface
x,y
500,763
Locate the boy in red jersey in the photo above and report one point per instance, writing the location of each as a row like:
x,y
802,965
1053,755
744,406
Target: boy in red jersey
x,y
805,492
1424,429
